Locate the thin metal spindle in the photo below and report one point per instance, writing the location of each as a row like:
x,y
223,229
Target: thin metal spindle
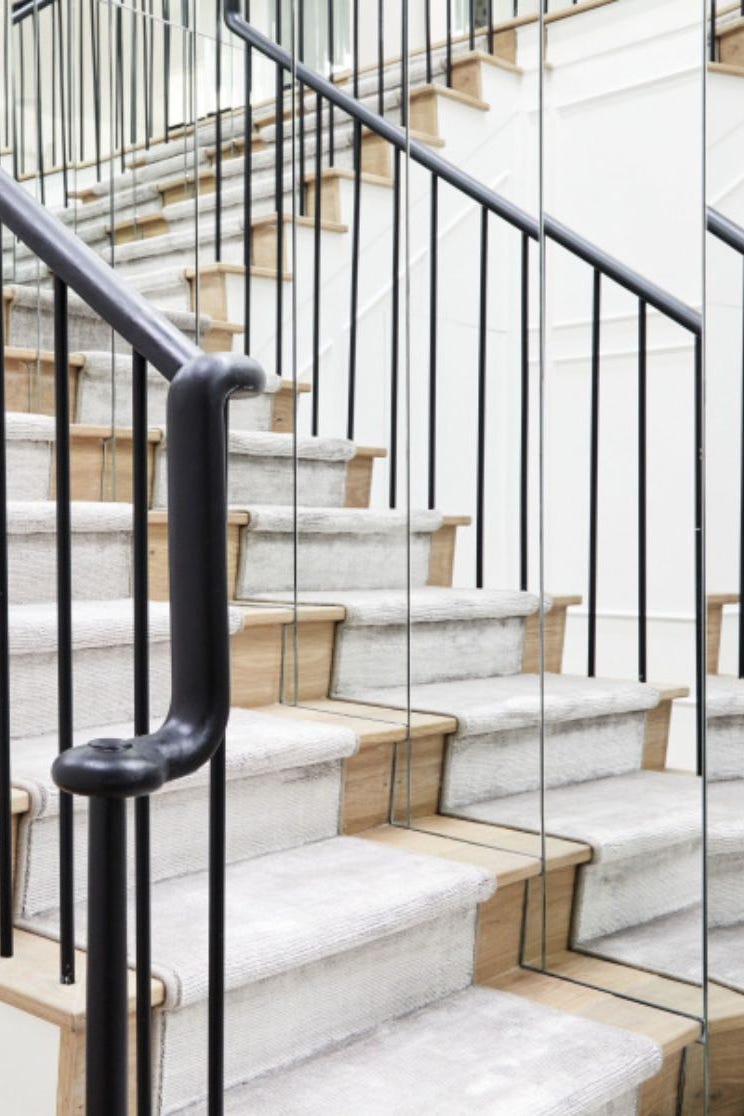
x,y
482,355
146,50
354,278
302,192
448,4
594,477
64,623
247,193
62,104
120,87
216,1005
741,527
6,822
166,67
713,44
381,57
700,610
140,500
317,198
107,1041
524,439
331,68
218,137
433,335
395,339
95,28
279,202
39,108
642,494
490,26
355,48
471,24
427,33
133,47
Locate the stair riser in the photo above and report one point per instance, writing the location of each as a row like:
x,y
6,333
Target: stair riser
x,y
370,657
499,764
613,896
725,889
270,480
329,562
330,1001
269,813
725,754
102,687
101,566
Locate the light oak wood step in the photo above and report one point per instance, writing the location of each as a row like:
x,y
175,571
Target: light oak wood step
x,y
425,106
29,379
716,602
467,71
331,207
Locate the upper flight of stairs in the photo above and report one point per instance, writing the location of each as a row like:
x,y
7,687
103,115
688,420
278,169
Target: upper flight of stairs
x,y
370,966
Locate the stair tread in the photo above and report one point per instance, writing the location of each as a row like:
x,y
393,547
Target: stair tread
x,y
724,696
24,427
513,701
33,627
28,517
312,520
478,1051
258,743
290,909
369,607
620,817
252,443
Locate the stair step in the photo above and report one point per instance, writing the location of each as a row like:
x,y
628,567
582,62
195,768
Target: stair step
x,y
101,551
102,663
261,470
478,1051
340,548
343,930
454,634
593,728
645,832
724,710
284,780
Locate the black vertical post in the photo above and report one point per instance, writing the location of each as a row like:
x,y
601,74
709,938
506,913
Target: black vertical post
x,y
354,278
301,94
471,24
39,115
316,261
247,193
355,48
449,42
490,26
166,66
216,1005
524,441
140,501
6,790
433,336
642,496
713,44
395,335
95,29
482,354
700,610
107,1018
331,68
279,201
218,135
594,478
64,623
741,524
381,57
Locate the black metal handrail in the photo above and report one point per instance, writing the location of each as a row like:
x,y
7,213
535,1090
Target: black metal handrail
x,y
732,235
110,771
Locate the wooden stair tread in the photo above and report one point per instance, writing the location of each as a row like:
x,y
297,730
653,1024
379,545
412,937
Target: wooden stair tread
x,y
487,59
671,1030
255,613
725,68
560,852
44,356
30,982
723,599
374,724
439,90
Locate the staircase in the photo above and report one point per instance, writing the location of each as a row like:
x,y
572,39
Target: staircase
x,y
453,895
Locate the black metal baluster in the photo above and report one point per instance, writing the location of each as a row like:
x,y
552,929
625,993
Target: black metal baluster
x,y
700,602
395,340
642,495
6,789
490,26
39,109
55,69
218,135
355,48
713,45
279,202
482,355
216,1006
247,193
95,28
381,57
120,85
471,24
317,198
331,68
150,75
62,105
427,34
107,1068
594,477
146,37
140,501
524,439
449,42
64,624
354,278
134,48
81,90
301,93
433,324
21,111
166,66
